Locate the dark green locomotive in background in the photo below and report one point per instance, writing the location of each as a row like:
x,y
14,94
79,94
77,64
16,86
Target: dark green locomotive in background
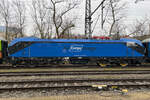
x,y
3,50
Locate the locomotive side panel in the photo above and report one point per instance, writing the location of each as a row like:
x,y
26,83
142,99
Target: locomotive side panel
x,y
77,50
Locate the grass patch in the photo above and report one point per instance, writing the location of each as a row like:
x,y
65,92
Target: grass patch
x,y
103,96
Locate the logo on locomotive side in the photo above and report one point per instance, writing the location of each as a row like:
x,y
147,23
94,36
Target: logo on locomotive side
x,y
76,48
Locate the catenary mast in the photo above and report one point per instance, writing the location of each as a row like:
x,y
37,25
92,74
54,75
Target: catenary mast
x,y
88,17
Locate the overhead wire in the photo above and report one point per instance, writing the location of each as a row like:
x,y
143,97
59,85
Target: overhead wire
x,y
96,23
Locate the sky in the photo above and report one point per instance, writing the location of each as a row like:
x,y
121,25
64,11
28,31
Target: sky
x,y
134,11
138,11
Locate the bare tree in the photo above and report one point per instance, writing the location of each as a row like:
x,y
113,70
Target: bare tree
x,y
49,28
112,13
41,17
66,28
5,12
58,15
140,27
20,16
116,8
136,1
117,29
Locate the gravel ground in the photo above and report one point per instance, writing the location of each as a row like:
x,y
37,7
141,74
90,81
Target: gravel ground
x,y
35,93
59,92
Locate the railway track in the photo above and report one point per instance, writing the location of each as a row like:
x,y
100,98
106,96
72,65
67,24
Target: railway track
x,y
72,81
60,85
46,66
57,73
68,66
73,87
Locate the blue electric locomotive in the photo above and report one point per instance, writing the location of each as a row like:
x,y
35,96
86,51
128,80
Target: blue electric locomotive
x,y
75,51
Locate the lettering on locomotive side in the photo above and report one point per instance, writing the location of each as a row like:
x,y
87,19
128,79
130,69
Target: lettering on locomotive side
x,y
79,48
76,48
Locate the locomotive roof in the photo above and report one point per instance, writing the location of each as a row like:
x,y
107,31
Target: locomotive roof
x,y
33,39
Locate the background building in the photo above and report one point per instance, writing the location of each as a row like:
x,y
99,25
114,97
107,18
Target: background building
x,y
13,32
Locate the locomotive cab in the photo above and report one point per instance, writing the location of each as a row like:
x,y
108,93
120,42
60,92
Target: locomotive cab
x,y
137,47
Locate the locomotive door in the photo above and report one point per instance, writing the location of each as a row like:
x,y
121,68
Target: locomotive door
x,y
130,51
26,49
25,53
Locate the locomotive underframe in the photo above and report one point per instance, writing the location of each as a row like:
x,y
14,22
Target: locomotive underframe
x,y
77,60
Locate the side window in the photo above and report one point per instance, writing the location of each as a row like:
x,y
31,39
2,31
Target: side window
x,y
131,44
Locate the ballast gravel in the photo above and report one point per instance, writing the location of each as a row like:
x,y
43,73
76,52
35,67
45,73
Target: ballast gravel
x,y
59,92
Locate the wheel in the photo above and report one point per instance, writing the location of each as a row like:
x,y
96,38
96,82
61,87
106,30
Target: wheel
x,y
101,64
1,61
124,64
